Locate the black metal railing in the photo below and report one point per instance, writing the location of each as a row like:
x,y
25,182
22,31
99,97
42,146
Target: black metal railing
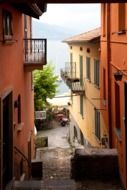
x,y
35,51
70,73
76,87
24,164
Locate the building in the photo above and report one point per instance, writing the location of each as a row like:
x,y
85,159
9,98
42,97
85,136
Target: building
x,y
19,55
114,79
82,75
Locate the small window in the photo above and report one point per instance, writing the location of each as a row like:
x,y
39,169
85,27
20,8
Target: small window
x,y
88,68
7,25
97,124
96,72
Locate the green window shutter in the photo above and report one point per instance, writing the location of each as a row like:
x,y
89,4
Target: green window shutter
x,y
81,105
88,68
97,124
96,72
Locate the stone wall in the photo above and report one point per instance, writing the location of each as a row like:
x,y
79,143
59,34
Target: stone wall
x,y
98,164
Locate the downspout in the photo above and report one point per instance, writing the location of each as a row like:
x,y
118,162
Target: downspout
x,y
109,75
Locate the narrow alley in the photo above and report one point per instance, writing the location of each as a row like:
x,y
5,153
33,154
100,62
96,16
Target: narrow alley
x,y
56,164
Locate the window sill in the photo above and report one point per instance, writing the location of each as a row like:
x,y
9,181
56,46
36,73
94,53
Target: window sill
x,y
118,134
8,41
121,32
20,127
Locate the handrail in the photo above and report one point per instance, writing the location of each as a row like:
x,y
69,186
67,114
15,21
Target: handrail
x,y
25,158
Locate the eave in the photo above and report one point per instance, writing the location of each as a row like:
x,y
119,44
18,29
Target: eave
x,y
33,8
65,1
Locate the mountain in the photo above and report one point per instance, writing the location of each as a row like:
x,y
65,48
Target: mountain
x,y
51,32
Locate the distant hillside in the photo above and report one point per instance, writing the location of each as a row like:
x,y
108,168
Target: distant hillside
x,y
51,32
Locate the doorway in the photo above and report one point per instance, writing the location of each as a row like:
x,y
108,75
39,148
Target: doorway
x,y
6,140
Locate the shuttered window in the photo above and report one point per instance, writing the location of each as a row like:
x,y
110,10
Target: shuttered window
x,y
121,16
97,124
96,72
88,68
7,25
81,105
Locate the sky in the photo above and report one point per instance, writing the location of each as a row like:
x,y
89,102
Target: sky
x,y
78,17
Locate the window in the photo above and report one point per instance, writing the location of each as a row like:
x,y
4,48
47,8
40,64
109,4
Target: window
x,y
19,109
97,124
88,68
96,72
121,16
7,25
81,69
81,105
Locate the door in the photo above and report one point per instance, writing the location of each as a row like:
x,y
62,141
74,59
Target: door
x,y
125,97
6,140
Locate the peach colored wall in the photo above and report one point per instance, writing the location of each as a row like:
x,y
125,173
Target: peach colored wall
x,y
91,98
117,53
12,76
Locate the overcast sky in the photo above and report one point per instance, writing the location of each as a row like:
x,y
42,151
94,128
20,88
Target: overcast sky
x,y
78,17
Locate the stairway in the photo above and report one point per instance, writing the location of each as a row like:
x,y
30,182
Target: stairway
x,y
50,184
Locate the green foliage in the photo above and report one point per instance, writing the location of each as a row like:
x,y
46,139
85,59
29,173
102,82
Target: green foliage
x,y
45,85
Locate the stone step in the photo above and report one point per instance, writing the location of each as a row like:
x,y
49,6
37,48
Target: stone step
x,y
59,184
51,184
28,185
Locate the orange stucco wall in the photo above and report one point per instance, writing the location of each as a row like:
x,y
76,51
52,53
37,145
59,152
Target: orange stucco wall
x,y
114,58
13,76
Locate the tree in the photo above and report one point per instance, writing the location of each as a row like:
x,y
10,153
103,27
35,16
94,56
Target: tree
x,y
45,85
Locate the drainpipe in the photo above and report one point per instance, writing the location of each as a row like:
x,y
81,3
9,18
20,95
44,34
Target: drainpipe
x,y
109,75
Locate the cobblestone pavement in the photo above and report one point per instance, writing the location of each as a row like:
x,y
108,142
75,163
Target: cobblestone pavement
x,y
56,165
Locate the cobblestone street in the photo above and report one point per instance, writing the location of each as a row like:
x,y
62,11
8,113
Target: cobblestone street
x,y
56,164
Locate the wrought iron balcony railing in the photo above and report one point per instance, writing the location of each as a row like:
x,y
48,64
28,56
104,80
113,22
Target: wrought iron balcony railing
x,y
76,87
75,84
70,71
35,52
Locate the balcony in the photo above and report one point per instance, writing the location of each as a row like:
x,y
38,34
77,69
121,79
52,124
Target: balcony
x,y
35,51
76,87
69,73
70,77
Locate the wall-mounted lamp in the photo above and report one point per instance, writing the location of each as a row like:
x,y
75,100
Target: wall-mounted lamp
x,y
69,104
118,75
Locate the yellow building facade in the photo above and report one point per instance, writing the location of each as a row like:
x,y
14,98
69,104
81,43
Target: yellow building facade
x,y
82,75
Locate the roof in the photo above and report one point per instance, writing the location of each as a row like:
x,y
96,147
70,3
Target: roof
x,y
84,37
33,8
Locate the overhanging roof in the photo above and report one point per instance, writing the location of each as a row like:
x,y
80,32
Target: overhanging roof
x,y
90,36
34,8
65,1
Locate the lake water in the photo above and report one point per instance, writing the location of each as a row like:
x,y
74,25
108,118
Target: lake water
x,y
58,54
